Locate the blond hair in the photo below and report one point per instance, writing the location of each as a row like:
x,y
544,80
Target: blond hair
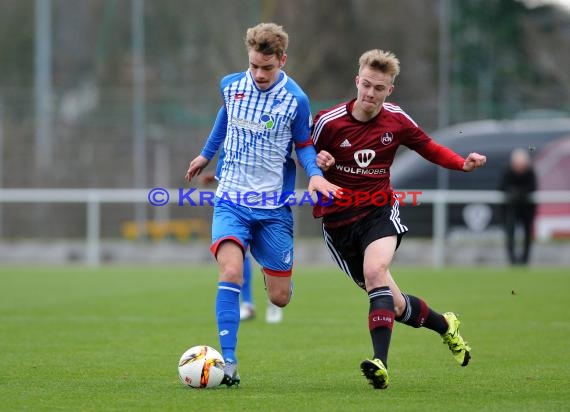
x,y
383,61
267,38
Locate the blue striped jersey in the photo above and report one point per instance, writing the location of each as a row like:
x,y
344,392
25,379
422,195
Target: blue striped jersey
x,y
261,127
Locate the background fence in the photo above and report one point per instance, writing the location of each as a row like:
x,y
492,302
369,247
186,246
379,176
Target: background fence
x,y
98,205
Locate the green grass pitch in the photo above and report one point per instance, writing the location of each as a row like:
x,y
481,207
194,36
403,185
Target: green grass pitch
x,y
79,339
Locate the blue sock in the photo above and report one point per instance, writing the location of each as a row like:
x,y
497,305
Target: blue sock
x,y
227,315
246,295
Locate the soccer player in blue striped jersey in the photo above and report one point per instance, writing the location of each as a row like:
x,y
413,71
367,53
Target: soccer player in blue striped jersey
x,y
264,115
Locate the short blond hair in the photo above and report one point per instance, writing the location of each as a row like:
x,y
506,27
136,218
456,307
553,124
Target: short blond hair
x,y
383,61
267,38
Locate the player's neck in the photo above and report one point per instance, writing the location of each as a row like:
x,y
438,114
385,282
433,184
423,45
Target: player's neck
x,y
361,115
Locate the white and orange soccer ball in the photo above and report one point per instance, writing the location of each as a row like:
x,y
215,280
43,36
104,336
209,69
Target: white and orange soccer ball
x,y
201,367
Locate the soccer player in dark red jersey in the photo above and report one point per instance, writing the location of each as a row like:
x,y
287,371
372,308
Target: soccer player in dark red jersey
x,y
356,142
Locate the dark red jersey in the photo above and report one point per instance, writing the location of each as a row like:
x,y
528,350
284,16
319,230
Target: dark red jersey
x,y
364,152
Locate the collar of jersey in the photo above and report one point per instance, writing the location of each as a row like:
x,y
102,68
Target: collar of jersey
x,y
275,86
350,107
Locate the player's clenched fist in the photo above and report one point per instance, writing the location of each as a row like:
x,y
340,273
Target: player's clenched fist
x,y
325,160
473,161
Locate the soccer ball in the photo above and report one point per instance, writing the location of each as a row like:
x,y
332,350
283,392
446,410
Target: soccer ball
x,y
201,367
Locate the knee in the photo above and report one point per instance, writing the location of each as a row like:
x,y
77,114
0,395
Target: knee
x,y
280,297
376,275
231,273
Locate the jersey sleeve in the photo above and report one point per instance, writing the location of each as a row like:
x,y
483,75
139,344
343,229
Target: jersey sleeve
x,y
416,139
217,135
307,157
441,155
301,124
306,153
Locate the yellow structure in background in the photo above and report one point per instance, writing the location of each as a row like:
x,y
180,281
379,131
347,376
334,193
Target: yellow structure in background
x,y
179,229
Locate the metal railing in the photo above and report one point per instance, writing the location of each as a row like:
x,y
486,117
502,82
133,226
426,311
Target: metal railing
x,y
94,198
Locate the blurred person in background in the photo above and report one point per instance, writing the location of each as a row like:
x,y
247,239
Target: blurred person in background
x,y
356,143
264,115
519,182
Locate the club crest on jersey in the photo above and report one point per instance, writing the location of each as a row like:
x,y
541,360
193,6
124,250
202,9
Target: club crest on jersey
x,y
387,138
268,121
364,157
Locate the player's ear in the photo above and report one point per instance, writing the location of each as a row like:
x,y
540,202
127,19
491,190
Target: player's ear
x,y
356,80
283,60
390,90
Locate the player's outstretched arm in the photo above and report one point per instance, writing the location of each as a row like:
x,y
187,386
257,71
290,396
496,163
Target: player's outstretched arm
x,y
473,161
325,160
324,187
196,166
